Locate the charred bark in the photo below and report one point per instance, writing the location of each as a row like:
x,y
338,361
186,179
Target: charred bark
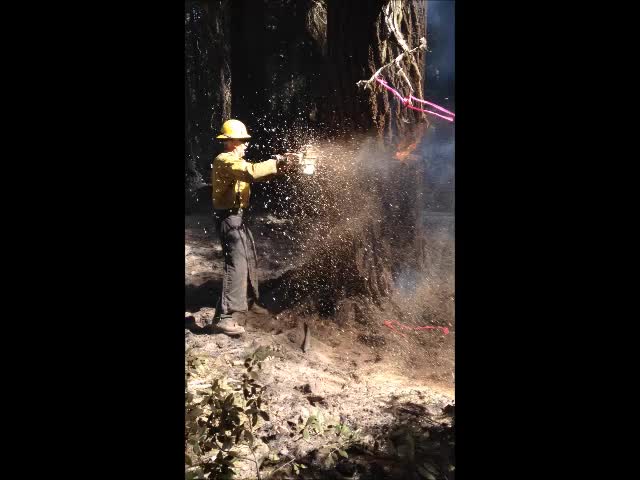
x,y
364,35
207,86
279,65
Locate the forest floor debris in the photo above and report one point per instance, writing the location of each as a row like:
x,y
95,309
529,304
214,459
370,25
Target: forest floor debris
x,y
398,393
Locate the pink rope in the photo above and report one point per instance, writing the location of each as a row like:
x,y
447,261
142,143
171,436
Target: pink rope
x,y
396,325
437,107
429,111
406,101
392,90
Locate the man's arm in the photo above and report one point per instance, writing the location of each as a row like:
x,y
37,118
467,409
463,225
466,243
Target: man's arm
x,y
242,170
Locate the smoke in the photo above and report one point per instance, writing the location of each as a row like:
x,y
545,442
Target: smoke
x,y
434,294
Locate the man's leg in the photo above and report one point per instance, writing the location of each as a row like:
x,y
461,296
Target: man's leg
x,y
252,266
253,290
234,280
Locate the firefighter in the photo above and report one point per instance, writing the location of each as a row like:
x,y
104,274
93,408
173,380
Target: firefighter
x,y
231,179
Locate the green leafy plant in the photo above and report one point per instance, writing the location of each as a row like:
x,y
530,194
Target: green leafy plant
x,y
295,466
221,420
338,435
338,443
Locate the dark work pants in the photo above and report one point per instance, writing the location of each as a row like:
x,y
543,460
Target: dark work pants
x,y
240,277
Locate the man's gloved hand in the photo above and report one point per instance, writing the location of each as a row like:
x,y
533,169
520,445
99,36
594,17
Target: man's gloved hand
x,y
287,162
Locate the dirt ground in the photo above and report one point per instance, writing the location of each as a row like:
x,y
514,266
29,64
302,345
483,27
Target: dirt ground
x,y
395,387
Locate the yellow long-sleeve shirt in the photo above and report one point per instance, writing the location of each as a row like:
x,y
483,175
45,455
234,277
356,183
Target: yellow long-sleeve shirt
x,y
232,176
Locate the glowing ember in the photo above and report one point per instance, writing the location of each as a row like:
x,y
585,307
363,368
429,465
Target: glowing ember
x,y
406,147
405,152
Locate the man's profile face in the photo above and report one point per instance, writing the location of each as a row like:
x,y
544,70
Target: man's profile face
x,y
243,144
239,146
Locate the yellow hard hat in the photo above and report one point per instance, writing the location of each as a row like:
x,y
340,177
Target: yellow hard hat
x,y
233,129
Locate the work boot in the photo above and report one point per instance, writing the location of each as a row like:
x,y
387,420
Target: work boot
x,y
258,309
228,326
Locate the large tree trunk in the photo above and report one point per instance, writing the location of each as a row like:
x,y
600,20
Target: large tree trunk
x,y
364,35
295,67
366,225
